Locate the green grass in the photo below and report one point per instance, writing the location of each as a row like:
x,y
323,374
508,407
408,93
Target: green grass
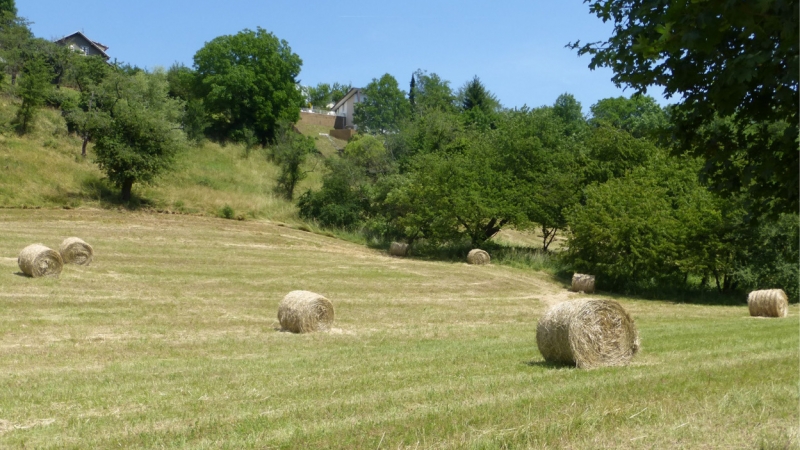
x,y
45,170
169,340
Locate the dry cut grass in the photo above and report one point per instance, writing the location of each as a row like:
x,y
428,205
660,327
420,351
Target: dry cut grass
x,y
169,339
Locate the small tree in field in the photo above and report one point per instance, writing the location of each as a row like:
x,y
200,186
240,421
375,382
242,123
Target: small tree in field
x,y
142,135
290,153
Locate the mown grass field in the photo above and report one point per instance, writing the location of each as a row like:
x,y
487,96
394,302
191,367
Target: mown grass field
x,y
169,340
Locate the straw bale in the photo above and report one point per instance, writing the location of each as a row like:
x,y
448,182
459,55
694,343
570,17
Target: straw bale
x,y
398,249
304,311
36,260
583,283
75,251
587,333
768,303
478,256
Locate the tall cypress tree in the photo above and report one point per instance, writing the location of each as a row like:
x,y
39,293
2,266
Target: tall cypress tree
x,y
411,91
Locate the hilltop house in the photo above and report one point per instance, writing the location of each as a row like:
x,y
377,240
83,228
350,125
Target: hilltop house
x,y
79,42
344,109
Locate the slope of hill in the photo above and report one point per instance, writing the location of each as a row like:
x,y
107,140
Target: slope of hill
x,y
45,169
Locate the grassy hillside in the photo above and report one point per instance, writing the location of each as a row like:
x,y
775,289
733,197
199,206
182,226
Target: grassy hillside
x,y
169,340
45,169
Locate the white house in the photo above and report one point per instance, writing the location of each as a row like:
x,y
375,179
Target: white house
x,y
344,108
79,42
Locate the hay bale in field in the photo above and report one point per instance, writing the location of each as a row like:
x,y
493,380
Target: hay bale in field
x,y
36,260
398,249
583,283
587,333
478,256
75,251
768,303
304,311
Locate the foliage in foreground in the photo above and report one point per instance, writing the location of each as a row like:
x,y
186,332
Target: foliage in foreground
x,y
732,61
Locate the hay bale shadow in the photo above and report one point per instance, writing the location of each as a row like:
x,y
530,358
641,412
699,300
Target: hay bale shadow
x,y
549,364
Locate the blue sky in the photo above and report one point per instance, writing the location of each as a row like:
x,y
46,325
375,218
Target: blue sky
x,y
515,47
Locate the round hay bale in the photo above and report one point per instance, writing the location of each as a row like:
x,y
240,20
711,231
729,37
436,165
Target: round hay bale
x,y
398,249
583,283
768,303
587,333
75,251
36,260
304,311
478,256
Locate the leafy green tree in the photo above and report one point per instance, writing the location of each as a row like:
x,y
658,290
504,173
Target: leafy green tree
x,y
625,232
611,153
432,132
458,194
319,95
8,6
88,73
639,115
570,112
534,147
15,41
383,108
33,88
433,93
248,82
767,258
182,85
735,61
142,135
339,90
343,199
290,153
368,151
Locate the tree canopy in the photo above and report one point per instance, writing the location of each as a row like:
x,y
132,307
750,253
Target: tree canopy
x,y
732,60
142,135
248,82
383,108
432,92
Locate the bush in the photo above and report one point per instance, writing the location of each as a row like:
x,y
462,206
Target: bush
x,y
227,212
769,260
342,201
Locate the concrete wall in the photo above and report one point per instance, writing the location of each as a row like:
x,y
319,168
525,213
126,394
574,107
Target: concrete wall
x,y
317,119
344,135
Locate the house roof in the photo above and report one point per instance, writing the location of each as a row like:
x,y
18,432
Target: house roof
x,y
100,47
350,93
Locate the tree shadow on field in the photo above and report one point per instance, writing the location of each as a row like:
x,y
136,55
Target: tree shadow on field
x,y
548,364
100,190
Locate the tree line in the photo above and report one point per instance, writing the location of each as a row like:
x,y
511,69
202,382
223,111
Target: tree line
x,y
452,167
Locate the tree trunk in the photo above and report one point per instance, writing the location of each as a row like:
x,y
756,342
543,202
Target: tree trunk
x,y
126,189
83,147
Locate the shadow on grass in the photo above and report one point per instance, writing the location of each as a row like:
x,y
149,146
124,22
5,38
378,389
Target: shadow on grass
x,y
549,262
96,189
548,364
